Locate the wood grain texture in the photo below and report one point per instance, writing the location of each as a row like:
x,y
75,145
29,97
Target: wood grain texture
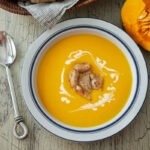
x,y
24,29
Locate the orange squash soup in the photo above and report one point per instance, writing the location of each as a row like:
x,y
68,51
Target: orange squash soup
x,y
67,105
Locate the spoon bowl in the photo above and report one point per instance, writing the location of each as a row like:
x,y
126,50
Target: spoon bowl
x,y
7,49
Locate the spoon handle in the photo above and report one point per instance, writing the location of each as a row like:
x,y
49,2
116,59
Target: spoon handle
x,y
18,118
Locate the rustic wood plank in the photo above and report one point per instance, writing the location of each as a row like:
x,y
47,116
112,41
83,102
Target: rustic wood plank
x,y
24,29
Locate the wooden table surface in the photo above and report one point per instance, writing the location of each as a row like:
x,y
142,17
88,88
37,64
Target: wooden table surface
x,y
24,29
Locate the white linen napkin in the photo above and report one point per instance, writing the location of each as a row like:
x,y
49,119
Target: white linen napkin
x,y
48,14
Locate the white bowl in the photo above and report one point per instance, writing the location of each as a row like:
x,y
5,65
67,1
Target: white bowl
x,y
103,29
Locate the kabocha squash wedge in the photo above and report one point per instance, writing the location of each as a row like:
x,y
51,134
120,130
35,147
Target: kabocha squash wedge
x,y
136,20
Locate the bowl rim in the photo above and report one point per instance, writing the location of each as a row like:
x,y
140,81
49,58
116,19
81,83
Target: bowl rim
x,y
96,134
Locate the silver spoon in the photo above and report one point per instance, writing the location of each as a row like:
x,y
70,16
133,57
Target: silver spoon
x,y
7,57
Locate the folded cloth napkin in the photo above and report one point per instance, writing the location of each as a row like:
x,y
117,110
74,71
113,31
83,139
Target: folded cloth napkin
x,y
48,14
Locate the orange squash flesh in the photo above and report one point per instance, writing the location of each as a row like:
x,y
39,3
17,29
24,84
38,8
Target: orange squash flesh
x,y
136,20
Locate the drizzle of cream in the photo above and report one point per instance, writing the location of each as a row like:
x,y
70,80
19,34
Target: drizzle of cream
x,y
111,88
102,65
63,91
115,77
76,55
105,98
65,99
